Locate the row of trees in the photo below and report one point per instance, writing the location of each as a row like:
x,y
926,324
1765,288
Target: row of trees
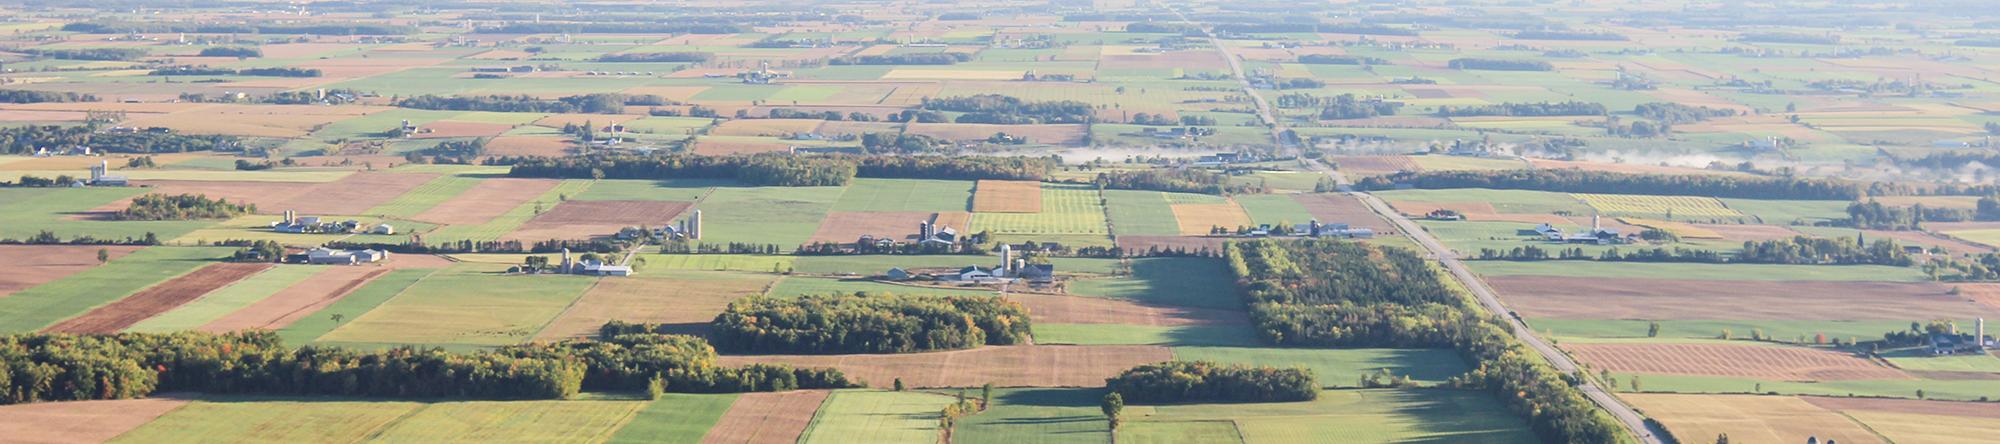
x,y
782,169
1204,381
232,51
61,367
603,103
1798,250
205,70
1335,293
1874,215
1501,64
182,207
1581,181
1675,113
117,54
658,57
1178,180
26,96
1570,108
925,58
999,109
868,323
27,139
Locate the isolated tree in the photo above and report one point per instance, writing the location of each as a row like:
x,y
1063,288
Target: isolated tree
x,y
1635,383
337,317
899,384
1114,404
985,395
1653,330
103,255
1722,438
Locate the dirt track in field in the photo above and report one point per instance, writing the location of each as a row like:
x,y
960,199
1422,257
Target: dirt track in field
x,y
487,200
79,421
41,264
767,418
1007,196
157,299
1004,366
1746,361
303,298
1053,309
1140,244
1661,299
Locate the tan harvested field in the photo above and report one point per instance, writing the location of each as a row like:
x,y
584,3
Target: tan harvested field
x,y
489,199
304,298
352,194
1341,208
40,264
1746,232
1048,134
1779,363
1004,366
767,418
1681,229
1922,407
953,219
80,421
296,50
576,219
1007,196
1192,60
82,163
42,116
129,108
597,120
1953,245
1925,429
1198,219
849,226
723,147
685,305
766,127
1138,244
1662,299
446,129
527,146
1748,418
115,316
1987,295
1057,309
856,128
254,121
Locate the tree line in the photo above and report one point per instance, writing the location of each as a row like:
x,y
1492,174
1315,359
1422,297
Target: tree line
x,y
154,206
40,367
1798,250
27,139
102,54
1511,109
1177,180
232,51
868,323
999,109
1501,64
1581,181
1334,293
26,96
1675,113
1204,381
923,58
781,169
602,103
205,70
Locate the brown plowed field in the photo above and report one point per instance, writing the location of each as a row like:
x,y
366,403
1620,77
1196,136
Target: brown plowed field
x,y
1007,196
686,305
527,146
1933,408
1341,208
286,306
79,421
1659,299
952,219
1197,219
848,226
157,299
1987,295
41,264
1005,366
1745,361
579,219
1140,244
1053,309
353,194
489,199
766,418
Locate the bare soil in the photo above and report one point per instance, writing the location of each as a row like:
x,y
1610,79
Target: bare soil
x,y
848,226
353,194
1056,309
1007,196
1341,208
1745,361
304,298
80,421
41,264
150,302
1660,299
767,418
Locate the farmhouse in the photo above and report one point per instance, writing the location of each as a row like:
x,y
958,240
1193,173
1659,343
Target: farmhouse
x,y
329,256
1316,229
591,267
294,223
1953,342
1445,215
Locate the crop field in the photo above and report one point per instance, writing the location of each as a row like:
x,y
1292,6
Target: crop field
x,y
271,421
535,421
1746,361
1744,272
82,421
1141,213
866,416
220,302
685,300
1050,333
25,212
47,263
1338,367
1502,201
907,195
848,227
487,219
1376,415
1667,207
571,219
1053,309
679,190
1037,415
799,286
1749,418
1641,298
770,215
422,198
37,307
1186,282
771,417
310,325
1277,209
675,418
1066,210
1007,196
1199,219
459,306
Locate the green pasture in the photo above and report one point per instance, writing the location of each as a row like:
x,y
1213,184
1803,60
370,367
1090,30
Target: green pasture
x,y
1920,358
1189,282
1373,415
720,262
34,308
1036,415
784,216
1066,210
1141,213
869,416
25,212
1789,211
909,195
465,307
226,300
677,190
1275,209
1337,367
360,301
675,418
1504,201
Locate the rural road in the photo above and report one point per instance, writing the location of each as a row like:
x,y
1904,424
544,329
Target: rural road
x,y
1634,422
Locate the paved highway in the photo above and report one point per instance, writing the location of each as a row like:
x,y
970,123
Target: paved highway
x,y
1634,422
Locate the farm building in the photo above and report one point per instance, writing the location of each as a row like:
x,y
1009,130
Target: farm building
x,y
100,175
1953,342
294,223
329,256
590,267
1316,229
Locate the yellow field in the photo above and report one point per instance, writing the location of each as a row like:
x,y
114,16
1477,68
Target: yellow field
x,y
1197,219
1919,428
1748,418
1678,206
1684,230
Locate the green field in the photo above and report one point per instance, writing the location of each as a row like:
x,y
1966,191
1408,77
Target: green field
x,y
31,309
800,286
1190,282
677,190
719,262
675,418
465,307
24,212
1141,213
868,416
1504,201
360,301
1746,272
1275,209
1036,415
514,421
1920,359
229,419
1066,210
785,216
1375,415
225,300
1122,334
910,195
423,197
1338,367
1783,212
